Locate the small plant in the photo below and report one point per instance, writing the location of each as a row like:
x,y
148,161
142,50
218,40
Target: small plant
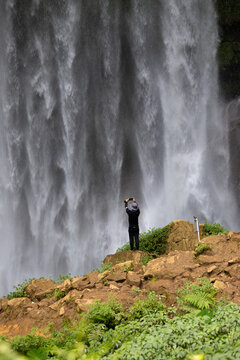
x,y
200,249
136,290
153,241
20,290
104,267
214,229
59,294
127,268
150,305
48,296
108,313
197,296
146,258
105,283
62,278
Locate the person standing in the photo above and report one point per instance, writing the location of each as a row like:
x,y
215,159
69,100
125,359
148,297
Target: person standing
x,y
133,212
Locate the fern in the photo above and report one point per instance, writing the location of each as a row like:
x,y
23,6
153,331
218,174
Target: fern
x,y
199,300
197,296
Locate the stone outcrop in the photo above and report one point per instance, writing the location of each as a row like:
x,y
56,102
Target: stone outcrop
x,y
127,280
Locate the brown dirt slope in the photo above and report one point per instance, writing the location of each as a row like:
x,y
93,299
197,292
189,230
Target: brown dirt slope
x,y
164,275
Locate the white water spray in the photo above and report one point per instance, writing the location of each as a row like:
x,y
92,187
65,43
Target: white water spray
x,y
99,103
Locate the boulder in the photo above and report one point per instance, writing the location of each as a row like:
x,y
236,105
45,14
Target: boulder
x,y
3,304
160,286
133,279
102,275
182,236
117,277
124,256
65,286
169,266
19,302
38,289
81,283
219,285
121,267
84,304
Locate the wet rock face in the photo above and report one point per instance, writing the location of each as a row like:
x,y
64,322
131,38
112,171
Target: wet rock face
x,y
229,47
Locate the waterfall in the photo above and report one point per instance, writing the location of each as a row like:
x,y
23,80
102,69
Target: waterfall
x,y
100,101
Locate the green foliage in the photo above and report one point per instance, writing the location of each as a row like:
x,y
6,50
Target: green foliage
x,y
104,267
59,294
214,229
200,249
150,305
146,258
6,353
184,337
108,313
197,296
128,268
62,278
125,247
23,344
20,290
153,241
147,332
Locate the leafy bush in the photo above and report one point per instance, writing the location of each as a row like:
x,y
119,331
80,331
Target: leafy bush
x,y
6,353
197,296
108,313
216,336
153,241
150,305
20,290
214,229
23,344
58,294
148,334
62,278
104,267
200,249
146,258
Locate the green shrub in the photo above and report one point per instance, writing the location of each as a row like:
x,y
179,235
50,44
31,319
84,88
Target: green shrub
x,y
23,344
200,249
146,258
6,353
214,336
214,229
62,278
20,290
109,313
197,296
59,294
150,305
104,267
153,241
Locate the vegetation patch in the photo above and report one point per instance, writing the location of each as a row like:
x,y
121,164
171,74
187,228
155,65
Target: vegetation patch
x,y
214,229
146,258
62,278
59,294
200,249
153,241
104,267
202,329
197,296
20,290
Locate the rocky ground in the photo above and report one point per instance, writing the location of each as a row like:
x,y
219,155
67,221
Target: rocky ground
x,y
48,302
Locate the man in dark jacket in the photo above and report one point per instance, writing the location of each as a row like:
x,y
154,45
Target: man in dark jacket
x,y
133,212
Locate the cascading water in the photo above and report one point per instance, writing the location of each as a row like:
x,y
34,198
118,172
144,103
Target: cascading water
x,y
98,102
